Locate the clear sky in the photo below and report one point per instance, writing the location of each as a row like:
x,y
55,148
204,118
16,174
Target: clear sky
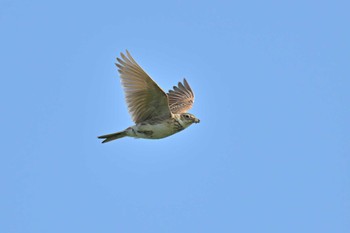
x,y
272,85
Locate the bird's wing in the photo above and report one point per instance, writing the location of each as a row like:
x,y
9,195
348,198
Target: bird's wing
x,y
181,98
145,99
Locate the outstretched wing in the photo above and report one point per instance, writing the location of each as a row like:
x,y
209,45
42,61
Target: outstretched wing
x,y
145,99
181,98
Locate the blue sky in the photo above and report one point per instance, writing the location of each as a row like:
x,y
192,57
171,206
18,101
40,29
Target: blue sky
x,y
271,153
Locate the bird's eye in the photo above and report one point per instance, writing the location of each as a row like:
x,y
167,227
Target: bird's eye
x,y
187,116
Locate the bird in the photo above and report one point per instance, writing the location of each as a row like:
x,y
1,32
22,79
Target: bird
x,y
156,114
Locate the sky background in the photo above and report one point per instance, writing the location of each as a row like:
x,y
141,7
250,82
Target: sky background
x,y
272,85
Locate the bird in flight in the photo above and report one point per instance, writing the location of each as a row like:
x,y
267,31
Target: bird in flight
x,y
156,114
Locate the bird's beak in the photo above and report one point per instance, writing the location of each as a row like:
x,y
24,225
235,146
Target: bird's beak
x,y
196,120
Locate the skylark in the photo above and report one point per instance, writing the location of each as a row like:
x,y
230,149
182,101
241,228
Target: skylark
x,y
156,114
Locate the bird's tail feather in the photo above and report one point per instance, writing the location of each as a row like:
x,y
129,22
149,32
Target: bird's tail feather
x,y
113,136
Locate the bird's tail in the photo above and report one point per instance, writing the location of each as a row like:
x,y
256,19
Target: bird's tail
x,y
113,136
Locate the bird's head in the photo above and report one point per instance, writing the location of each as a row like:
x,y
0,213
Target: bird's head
x,y
188,119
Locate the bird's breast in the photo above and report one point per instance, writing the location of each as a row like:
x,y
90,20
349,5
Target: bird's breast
x,y
155,131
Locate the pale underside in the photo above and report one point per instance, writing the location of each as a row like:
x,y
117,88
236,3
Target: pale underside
x,y
155,131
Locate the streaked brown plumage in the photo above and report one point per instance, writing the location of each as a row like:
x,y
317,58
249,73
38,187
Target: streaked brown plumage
x,y
156,114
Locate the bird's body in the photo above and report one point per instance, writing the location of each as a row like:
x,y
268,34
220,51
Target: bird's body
x,y
155,130
156,114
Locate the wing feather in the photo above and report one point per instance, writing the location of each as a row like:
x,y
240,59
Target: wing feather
x,y
145,99
181,98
